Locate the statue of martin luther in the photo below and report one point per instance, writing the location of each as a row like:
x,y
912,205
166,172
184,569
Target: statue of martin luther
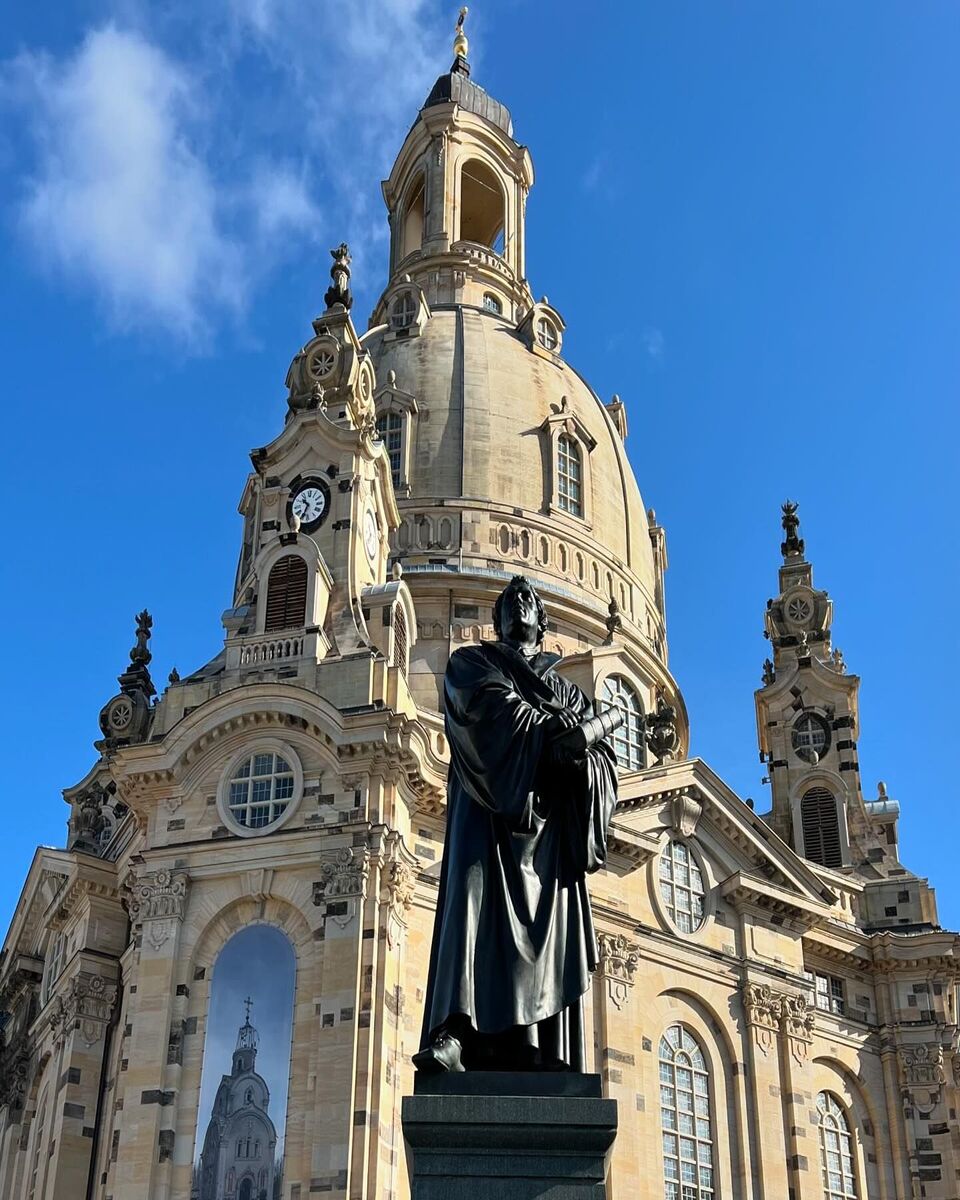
x,y
531,791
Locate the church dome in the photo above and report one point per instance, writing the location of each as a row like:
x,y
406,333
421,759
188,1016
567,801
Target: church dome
x,y
490,414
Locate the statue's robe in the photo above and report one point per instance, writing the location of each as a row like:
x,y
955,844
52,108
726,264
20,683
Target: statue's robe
x,y
513,943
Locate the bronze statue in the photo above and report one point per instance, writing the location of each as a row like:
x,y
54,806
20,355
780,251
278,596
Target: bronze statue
x,y
531,791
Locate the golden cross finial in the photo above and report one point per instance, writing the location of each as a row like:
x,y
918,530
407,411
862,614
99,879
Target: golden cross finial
x,y
460,44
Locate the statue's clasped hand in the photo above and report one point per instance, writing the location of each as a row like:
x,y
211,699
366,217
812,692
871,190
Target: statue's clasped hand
x,y
573,739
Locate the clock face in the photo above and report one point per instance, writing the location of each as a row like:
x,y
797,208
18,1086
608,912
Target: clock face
x,y
310,504
371,535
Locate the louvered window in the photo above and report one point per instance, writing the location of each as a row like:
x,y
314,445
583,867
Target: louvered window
x,y
287,594
821,828
400,638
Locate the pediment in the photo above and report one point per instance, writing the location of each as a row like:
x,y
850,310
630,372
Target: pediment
x,y
46,882
753,866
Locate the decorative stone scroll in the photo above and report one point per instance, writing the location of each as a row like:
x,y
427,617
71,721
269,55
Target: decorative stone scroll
x,y
157,900
619,959
398,880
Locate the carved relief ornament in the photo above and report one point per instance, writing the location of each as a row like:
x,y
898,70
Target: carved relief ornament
x,y
86,1007
156,901
619,959
769,1012
921,1071
343,882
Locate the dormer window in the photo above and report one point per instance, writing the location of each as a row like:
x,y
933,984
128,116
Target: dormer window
x,y
569,476
390,429
404,311
492,305
547,334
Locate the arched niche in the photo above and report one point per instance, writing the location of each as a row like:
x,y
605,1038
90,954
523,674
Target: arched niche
x,y
246,1066
414,213
482,205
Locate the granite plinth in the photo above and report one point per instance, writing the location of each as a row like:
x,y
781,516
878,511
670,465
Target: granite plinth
x,y
508,1136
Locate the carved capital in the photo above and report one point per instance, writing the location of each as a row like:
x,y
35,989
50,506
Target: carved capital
x,y
619,959
921,1073
343,882
763,1009
85,1007
798,1023
156,901
398,881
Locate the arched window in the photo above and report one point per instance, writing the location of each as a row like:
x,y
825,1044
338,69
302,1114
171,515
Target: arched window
x,y
685,1118
286,594
681,887
246,1189
481,205
413,218
628,739
836,1150
36,1158
390,429
403,311
248,1098
492,304
400,638
821,827
569,476
256,1148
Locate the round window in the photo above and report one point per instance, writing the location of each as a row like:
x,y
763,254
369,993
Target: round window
x,y
811,737
681,887
260,789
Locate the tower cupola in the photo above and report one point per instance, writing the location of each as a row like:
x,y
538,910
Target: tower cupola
x,y
245,1053
456,199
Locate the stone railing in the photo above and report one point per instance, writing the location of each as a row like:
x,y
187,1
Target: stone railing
x,y
271,650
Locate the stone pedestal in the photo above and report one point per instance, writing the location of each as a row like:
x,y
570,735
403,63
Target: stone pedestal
x,y
498,1135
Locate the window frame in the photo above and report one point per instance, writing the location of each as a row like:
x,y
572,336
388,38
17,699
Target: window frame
x,y
260,746
844,1129
675,1187
617,681
695,861
557,425
570,475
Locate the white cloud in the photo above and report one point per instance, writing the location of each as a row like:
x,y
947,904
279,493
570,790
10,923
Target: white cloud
x,y
652,341
168,183
118,195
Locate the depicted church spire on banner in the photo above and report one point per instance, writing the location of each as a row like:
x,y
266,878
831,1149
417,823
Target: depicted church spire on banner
x,y
245,1054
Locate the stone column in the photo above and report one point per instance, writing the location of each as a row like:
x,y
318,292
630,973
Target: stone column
x,y
82,1019
763,1010
156,910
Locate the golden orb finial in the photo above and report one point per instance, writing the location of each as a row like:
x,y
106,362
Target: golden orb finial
x,y
460,43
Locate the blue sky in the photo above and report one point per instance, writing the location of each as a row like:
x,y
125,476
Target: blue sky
x,y
746,212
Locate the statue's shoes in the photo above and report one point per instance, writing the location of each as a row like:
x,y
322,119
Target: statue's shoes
x,y
443,1054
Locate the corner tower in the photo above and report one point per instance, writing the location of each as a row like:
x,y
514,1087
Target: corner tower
x,y
808,722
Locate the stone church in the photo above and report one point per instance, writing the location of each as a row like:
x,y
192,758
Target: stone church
x,y
776,1005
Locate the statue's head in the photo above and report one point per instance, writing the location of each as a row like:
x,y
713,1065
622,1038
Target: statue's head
x,y
519,615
